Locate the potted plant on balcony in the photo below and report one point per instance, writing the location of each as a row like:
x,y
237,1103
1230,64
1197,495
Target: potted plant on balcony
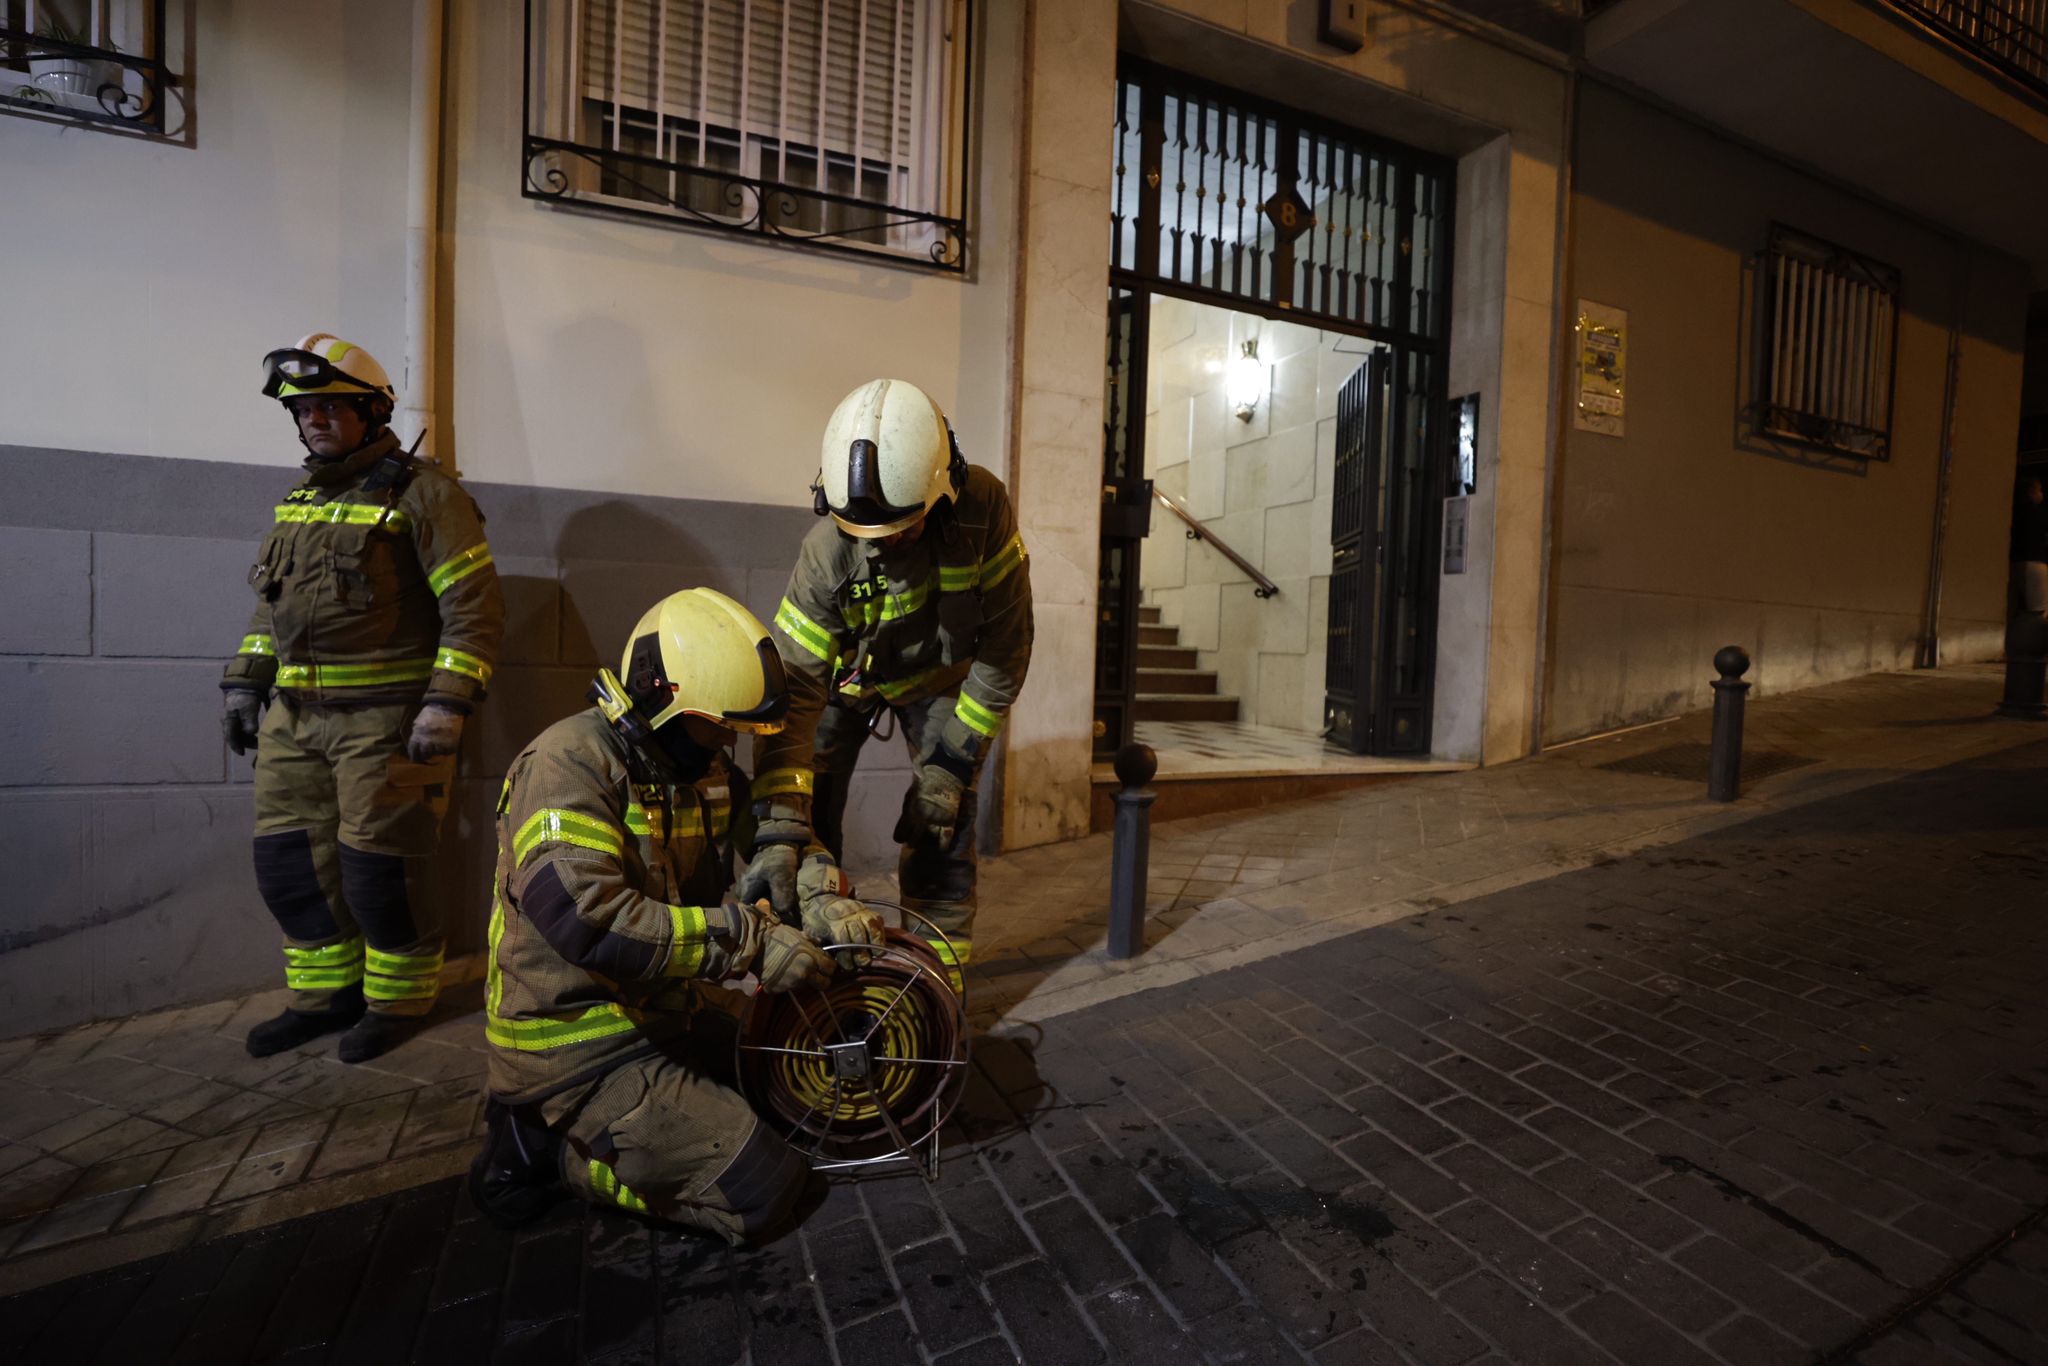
x,y
64,79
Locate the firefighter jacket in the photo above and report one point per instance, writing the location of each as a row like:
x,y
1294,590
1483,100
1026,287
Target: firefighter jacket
x,y
375,585
598,918
901,624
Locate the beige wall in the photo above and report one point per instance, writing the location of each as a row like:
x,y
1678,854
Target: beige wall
x,y
143,281
609,354
1686,534
581,352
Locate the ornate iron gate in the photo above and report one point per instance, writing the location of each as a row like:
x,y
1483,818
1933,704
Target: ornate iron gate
x,y
1232,201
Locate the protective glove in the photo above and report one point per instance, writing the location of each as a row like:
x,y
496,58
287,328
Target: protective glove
x,y
845,921
436,731
830,914
242,710
771,876
788,959
931,809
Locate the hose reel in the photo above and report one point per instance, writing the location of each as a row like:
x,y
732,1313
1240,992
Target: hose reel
x,y
862,1070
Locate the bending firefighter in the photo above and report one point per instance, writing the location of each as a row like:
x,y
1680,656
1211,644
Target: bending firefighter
x,y
610,1053
378,616
914,600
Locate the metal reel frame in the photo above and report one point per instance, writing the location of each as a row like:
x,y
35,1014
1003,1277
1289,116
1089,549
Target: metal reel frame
x,y
855,1062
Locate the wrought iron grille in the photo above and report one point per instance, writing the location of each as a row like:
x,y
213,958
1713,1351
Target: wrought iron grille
x,y
89,61
1829,339
2009,35
1217,194
838,125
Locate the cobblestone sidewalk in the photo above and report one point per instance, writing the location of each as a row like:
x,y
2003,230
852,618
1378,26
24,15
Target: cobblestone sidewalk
x,y
1775,1093
128,1138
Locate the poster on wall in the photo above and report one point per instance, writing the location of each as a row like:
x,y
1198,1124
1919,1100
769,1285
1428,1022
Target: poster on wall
x,y
1603,367
1457,527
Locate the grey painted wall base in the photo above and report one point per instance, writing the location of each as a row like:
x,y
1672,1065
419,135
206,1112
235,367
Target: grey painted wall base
x,y
124,821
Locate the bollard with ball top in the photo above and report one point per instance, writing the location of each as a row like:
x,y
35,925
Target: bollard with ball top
x,y
1724,760
1129,850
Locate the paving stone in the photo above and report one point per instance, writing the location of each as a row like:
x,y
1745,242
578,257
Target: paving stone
x,y
939,1291
1045,1325
1185,1271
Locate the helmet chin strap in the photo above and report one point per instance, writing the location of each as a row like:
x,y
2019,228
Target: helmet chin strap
x,y
669,749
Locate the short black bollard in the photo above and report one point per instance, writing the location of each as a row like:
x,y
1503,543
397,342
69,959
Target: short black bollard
x,y
1724,761
2026,667
1130,849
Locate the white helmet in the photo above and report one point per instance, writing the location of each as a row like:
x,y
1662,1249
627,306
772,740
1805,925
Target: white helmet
x,y
323,363
888,457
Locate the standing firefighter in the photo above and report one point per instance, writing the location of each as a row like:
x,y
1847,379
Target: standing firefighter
x,y
377,622
610,1057
914,599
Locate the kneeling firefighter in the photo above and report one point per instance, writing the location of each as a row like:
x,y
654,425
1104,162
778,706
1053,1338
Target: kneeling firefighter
x,y
611,1053
912,601
378,617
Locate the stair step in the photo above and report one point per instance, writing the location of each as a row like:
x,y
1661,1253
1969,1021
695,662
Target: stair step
x,y
1159,635
1148,616
1180,682
1166,657
1169,707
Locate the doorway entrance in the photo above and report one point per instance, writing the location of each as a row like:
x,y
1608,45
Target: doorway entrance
x,y
1277,327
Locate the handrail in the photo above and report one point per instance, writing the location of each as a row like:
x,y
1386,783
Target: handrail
x,y
1266,588
2006,35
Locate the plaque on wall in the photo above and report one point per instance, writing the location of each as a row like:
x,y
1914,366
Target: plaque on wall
x,y
1603,369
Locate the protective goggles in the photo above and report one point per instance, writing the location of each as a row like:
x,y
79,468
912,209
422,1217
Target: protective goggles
x,y
306,373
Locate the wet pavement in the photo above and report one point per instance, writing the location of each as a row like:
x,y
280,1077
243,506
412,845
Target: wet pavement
x,y
1774,1093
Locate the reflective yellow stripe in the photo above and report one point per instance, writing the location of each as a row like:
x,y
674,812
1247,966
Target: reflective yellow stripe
x,y
458,662
686,951
776,781
494,985
688,824
803,630
998,566
536,1036
458,567
354,675
551,825
333,965
605,1182
899,605
901,689
343,514
954,951
258,645
402,976
957,578
976,717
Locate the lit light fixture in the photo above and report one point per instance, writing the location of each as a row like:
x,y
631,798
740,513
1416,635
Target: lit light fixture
x,y
1246,381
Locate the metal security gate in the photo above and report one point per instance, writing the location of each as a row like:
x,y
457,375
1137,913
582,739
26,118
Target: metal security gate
x,y
1229,200
1385,526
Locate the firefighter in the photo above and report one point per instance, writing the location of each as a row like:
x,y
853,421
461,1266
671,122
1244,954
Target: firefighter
x,y
377,622
912,601
611,1052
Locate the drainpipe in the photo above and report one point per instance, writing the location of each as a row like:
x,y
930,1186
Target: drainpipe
x,y
1930,629
421,412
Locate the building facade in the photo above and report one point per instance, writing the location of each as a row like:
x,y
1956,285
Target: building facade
x,y
540,212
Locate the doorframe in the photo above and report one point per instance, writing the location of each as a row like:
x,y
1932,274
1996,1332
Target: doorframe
x,y
1141,279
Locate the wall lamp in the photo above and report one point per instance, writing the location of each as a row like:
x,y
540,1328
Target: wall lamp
x,y
1246,381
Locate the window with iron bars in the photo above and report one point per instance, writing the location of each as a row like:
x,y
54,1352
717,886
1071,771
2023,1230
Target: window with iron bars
x,y
85,61
837,124
1828,338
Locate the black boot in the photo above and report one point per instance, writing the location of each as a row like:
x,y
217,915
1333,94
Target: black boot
x,y
294,1027
518,1175
375,1034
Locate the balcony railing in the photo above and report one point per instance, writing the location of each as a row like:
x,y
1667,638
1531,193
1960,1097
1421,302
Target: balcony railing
x,y
109,71
2010,36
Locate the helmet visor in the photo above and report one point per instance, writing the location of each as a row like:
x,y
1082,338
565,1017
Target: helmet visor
x,y
288,371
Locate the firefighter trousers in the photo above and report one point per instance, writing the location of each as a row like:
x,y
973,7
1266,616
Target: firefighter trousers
x,y
346,829
937,881
670,1137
